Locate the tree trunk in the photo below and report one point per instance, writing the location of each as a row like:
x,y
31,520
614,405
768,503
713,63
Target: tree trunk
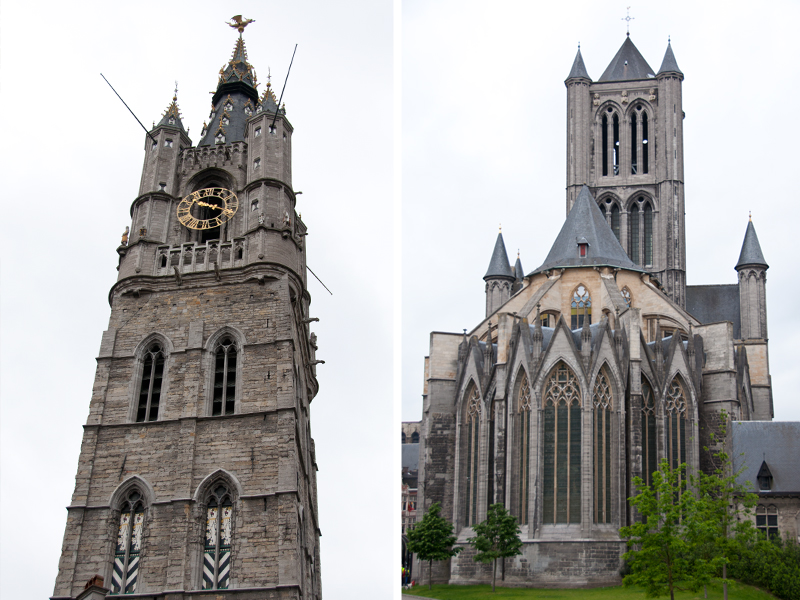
x,y
705,591
430,574
494,572
724,581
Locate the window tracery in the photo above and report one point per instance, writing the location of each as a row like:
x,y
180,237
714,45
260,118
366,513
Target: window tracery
x,y
649,459
218,538
581,307
524,411
675,409
562,447
150,384
129,544
473,426
225,359
603,405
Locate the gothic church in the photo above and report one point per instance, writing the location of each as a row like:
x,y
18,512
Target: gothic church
x,y
197,471
592,368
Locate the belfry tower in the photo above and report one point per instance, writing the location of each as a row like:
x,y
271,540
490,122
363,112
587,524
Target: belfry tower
x,y
197,467
625,141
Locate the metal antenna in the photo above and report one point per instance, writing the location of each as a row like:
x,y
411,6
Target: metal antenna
x,y
318,279
129,108
272,127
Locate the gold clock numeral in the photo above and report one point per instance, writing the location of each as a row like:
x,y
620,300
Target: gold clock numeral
x,y
192,223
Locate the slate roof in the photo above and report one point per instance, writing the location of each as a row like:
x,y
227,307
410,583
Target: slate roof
x,y
628,64
586,221
751,250
669,64
775,442
499,265
715,303
578,68
410,456
519,272
173,113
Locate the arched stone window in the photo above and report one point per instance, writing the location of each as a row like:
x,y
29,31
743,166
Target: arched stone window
x,y
675,413
473,438
225,360
562,447
129,544
609,126
415,438
639,126
603,403
581,307
649,458
151,383
612,212
403,437
524,459
640,242
218,537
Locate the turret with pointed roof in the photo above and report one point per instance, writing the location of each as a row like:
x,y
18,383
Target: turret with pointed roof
x,y
751,254
499,277
752,269
669,64
578,70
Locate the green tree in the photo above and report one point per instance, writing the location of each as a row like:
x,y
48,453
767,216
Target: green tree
x,y
496,537
659,554
432,539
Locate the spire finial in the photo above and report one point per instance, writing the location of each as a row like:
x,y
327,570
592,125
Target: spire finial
x,y
628,18
239,24
501,228
517,252
175,97
750,216
579,46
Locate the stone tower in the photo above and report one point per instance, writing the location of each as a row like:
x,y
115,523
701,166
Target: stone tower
x,y
197,467
625,141
499,277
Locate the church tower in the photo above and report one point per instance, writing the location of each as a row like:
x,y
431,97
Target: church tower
x,y
197,469
625,141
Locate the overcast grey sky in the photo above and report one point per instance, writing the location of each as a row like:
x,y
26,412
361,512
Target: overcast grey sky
x,y
483,140
484,143
72,161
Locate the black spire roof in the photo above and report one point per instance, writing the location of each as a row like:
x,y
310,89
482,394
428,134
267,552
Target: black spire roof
x,y
751,250
172,116
585,224
628,64
238,75
499,265
669,64
578,68
519,273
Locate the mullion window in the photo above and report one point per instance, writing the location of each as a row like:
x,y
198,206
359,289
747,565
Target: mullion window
x,y
150,388
218,538
224,390
124,576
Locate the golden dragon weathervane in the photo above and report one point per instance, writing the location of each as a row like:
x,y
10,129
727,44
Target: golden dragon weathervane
x,y
239,23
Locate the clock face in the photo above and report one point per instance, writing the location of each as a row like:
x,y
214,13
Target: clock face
x,y
207,208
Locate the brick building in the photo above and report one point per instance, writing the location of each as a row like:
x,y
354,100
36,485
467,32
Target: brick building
x,y
197,468
587,371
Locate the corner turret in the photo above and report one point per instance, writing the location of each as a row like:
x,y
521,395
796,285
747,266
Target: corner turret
x,y
752,269
499,277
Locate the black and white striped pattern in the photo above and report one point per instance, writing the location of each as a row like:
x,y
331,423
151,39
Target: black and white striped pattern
x,y
223,569
208,569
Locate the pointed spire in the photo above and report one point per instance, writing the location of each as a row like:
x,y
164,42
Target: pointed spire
x,y
751,250
499,265
519,274
172,116
669,64
586,224
628,64
237,75
578,70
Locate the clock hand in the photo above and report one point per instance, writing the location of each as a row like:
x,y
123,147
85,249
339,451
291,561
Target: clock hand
x,y
209,205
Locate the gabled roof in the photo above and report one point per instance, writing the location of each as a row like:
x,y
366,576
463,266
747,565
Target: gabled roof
x,y
628,64
669,64
586,221
499,265
578,68
751,250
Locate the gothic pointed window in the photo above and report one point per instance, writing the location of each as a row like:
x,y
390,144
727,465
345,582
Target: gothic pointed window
x,y
129,545
604,135
224,400
675,413
645,157
603,402
524,412
218,537
648,234
649,461
633,219
615,220
561,489
634,144
415,438
151,382
581,307
473,438
616,148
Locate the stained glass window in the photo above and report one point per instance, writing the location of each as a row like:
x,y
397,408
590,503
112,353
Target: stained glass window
x,y
224,401
217,553
129,545
562,447
524,413
150,388
603,405
675,410
581,307
473,426
649,462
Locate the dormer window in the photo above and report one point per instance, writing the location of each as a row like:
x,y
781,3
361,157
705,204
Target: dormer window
x,y
168,143
228,106
226,120
258,109
764,478
171,121
248,111
220,139
583,247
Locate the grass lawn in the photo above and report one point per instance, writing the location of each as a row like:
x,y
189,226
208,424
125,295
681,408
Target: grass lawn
x,y
736,591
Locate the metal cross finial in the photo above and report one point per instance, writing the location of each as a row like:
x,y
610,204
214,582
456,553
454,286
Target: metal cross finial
x,y
501,228
751,215
628,18
176,91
